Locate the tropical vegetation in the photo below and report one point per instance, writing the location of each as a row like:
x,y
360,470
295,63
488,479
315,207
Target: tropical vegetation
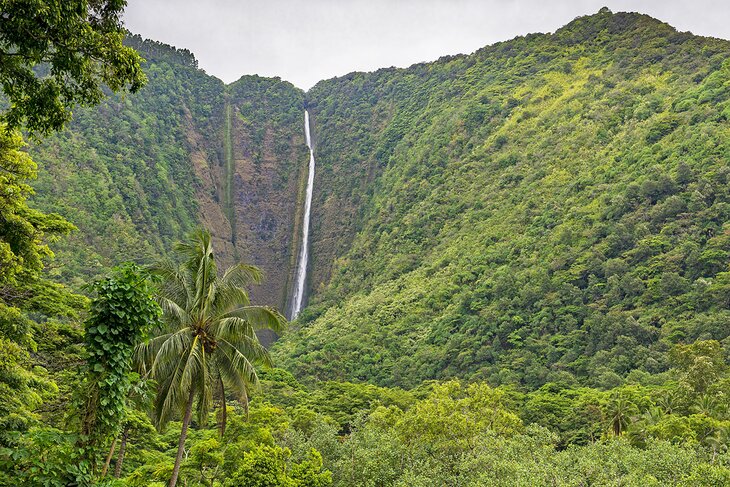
x,y
519,276
210,340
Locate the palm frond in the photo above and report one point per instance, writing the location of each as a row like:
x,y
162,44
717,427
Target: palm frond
x,y
251,348
239,365
204,269
146,352
231,328
242,275
175,285
173,313
260,317
205,391
227,298
174,373
230,377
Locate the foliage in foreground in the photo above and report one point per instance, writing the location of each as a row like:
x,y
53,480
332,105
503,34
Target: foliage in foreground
x,y
122,312
59,53
208,342
667,429
30,305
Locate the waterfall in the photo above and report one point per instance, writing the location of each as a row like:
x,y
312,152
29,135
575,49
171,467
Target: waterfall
x,y
301,276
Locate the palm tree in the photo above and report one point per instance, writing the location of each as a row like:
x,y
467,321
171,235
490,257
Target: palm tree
x,y
209,338
620,413
707,405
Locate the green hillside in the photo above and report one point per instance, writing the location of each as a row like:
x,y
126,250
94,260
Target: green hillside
x,y
122,173
551,208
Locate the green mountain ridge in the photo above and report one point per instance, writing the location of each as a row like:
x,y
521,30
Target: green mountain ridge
x,y
549,208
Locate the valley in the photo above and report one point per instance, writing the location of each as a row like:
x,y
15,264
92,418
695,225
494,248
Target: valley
x,y
503,268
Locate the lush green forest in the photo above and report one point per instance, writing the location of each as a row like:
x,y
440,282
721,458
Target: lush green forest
x,y
139,171
520,264
121,171
550,209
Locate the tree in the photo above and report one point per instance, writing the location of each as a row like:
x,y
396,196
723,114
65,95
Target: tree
x,y
701,363
24,236
135,422
205,461
620,412
451,421
266,466
209,338
121,314
57,53
22,229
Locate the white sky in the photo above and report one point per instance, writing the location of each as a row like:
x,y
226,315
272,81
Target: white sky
x,y
306,41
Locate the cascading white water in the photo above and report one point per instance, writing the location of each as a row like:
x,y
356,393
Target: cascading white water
x,y
301,276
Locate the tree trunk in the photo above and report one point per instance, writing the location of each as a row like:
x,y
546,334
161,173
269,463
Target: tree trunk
x,y
109,458
244,400
224,412
183,435
122,451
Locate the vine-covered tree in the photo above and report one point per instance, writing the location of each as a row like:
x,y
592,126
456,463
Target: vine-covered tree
x,y
121,313
209,339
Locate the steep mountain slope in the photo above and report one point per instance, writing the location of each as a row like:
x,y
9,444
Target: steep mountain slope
x,y
546,208
551,207
138,172
121,172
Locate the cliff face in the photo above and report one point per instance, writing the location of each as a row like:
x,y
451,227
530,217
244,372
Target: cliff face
x,y
137,173
269,163
249,159
206,156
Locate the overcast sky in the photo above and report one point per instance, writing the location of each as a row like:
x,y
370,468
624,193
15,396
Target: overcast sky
x,y
306,41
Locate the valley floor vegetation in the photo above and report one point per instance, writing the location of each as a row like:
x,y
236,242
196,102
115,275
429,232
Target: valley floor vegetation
x,y
667,429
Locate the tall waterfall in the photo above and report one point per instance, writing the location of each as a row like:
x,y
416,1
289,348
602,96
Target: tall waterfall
x,y
301,276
